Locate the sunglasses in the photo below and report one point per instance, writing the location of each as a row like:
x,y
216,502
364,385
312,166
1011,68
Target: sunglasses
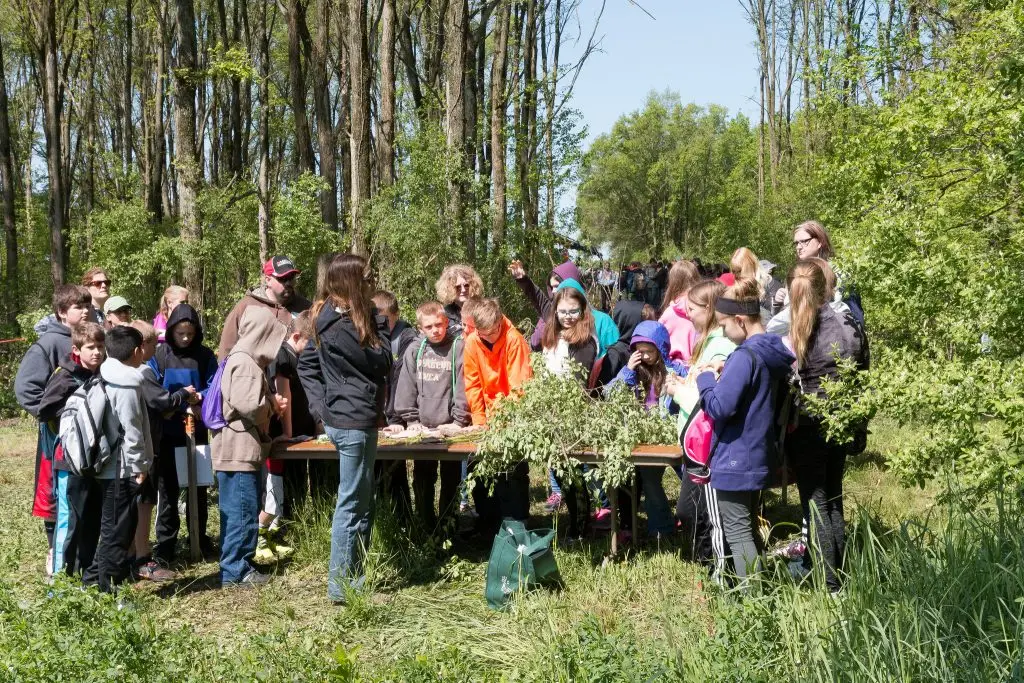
x,y
100,283
287,279
800,243
461,287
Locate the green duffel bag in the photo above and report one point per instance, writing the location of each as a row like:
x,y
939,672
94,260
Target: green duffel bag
x,y
520,559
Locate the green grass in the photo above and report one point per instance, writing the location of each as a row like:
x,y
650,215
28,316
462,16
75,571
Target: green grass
x,y
932,598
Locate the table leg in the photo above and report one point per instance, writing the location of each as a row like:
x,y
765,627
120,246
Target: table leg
x,y
613,503
193,503
633,508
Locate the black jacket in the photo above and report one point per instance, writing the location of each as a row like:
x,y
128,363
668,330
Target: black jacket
x,y
344,381
833,334
64,381
68,376
627,315
403,335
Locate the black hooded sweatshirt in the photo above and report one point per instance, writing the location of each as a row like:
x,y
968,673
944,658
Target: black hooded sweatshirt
x,y
627,315
344,381
177,367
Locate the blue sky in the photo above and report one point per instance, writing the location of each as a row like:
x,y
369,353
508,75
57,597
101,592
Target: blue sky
x,y
702,49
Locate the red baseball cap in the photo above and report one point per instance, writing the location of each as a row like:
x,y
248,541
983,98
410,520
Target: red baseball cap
x,y
280,266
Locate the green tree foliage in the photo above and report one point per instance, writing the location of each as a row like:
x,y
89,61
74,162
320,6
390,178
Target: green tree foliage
x,y
671,179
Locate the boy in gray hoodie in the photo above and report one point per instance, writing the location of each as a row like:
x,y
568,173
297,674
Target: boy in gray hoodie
x,y
431,392
110,496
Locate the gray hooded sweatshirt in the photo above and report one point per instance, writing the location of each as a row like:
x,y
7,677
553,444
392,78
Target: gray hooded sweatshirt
x,y
428,392
39,362
124,390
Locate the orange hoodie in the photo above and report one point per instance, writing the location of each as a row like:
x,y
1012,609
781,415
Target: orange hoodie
x,y
495,372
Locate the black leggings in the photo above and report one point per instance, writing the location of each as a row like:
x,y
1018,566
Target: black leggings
x,y
819,467
692,511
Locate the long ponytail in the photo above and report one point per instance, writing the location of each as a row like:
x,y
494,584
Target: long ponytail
x,y
808,291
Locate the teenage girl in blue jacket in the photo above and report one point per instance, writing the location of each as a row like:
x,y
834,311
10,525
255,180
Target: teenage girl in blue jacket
x,y
740,403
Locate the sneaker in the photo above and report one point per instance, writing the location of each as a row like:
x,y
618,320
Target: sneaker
x,y
280,550
603,518
48,569
468,510
151,571
264,553
553,502
253,579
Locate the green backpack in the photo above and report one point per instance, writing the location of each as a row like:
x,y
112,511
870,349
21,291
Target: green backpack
x,y
520,559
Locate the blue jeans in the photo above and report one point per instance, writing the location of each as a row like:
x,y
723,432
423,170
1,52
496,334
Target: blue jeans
x,y
353,514
553,482
659,514
239,523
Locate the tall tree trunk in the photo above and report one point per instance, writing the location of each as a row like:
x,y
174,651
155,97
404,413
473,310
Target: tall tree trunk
x,y
186,159
359,137
52,92
158,147
324,119
455,58
499,70
297,79
386,133
550,93
526,137
12,293
128,133
264,219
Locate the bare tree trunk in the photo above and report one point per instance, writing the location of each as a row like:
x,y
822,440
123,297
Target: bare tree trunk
x,y
455,58
324,120
499,70
186,159
297,79
526,136
12,293
158,147
128,133
359,137
52,92
264,219
550,92
386,132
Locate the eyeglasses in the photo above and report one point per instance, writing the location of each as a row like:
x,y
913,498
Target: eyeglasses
x,y
571,313
100,283
801,243
461,287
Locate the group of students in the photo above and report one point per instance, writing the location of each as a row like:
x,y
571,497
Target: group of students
x,y
347,365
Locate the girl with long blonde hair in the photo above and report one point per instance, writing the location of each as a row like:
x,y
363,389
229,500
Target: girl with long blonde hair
x,y
820,337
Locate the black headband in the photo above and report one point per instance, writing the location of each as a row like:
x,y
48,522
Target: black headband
x,y
749,307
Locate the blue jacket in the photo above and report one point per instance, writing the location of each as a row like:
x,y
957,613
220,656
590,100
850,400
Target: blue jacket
x,y
654,333
742,406
176,367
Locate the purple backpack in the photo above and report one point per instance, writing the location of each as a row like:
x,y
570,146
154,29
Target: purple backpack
x,y
212,412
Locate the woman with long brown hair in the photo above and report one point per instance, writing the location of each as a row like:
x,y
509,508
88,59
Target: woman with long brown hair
x,y
681,332
819,335
344,375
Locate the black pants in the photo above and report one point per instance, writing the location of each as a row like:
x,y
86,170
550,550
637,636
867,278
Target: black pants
x,y
424,481
168,521
819,467
511,499
119,515
577,504
734,536
392,479
85,505
692,511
